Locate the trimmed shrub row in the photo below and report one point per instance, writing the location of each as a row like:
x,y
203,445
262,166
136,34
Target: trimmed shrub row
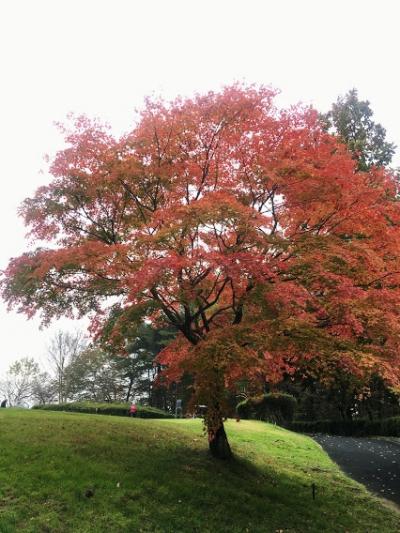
x,y
387,427
114,409
273,407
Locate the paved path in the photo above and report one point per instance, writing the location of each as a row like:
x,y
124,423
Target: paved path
x,y
373,462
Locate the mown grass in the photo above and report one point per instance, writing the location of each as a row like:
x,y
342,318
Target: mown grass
x,y
68,472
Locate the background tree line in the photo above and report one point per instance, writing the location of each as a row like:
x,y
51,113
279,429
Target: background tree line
x,y
78,370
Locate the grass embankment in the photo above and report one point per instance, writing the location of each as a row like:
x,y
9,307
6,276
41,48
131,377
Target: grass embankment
x,y
68,472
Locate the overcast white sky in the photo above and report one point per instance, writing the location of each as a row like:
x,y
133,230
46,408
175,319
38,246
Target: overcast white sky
x,y
102,57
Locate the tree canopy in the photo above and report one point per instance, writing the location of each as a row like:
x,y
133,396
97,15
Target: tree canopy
x,y
351,119
247,228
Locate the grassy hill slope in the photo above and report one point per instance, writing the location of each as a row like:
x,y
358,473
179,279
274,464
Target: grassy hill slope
x,y
62,472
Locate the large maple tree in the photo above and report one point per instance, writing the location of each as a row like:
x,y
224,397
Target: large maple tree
x,y
247,228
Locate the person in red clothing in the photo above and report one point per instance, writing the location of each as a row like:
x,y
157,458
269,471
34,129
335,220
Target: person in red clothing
x,y
132,410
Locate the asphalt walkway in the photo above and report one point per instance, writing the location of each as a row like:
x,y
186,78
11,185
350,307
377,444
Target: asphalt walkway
x,y
373,462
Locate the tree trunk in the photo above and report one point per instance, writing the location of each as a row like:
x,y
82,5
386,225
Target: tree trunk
x,y
128,394
218,443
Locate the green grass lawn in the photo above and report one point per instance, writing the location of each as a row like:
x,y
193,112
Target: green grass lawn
x,y
68,472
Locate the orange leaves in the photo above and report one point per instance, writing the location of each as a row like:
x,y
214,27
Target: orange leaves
x,y
174,358
218,212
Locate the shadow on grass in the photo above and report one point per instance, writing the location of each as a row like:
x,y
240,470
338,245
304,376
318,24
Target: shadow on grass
x,y
85,473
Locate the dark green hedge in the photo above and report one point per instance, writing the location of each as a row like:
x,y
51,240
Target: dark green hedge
x,y
273,407
387,427
115,409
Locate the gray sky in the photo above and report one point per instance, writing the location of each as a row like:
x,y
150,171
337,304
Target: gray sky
x,y
102,57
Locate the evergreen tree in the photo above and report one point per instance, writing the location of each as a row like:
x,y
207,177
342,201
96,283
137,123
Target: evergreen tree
x,y
351,119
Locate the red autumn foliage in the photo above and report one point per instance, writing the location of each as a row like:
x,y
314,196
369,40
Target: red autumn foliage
x,y
247,228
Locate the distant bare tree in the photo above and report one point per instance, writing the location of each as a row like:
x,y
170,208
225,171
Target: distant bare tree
x,y
18,383
94,375
63,349
45,389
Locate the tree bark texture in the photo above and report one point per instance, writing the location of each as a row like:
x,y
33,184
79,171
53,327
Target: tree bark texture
x,y
219,444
